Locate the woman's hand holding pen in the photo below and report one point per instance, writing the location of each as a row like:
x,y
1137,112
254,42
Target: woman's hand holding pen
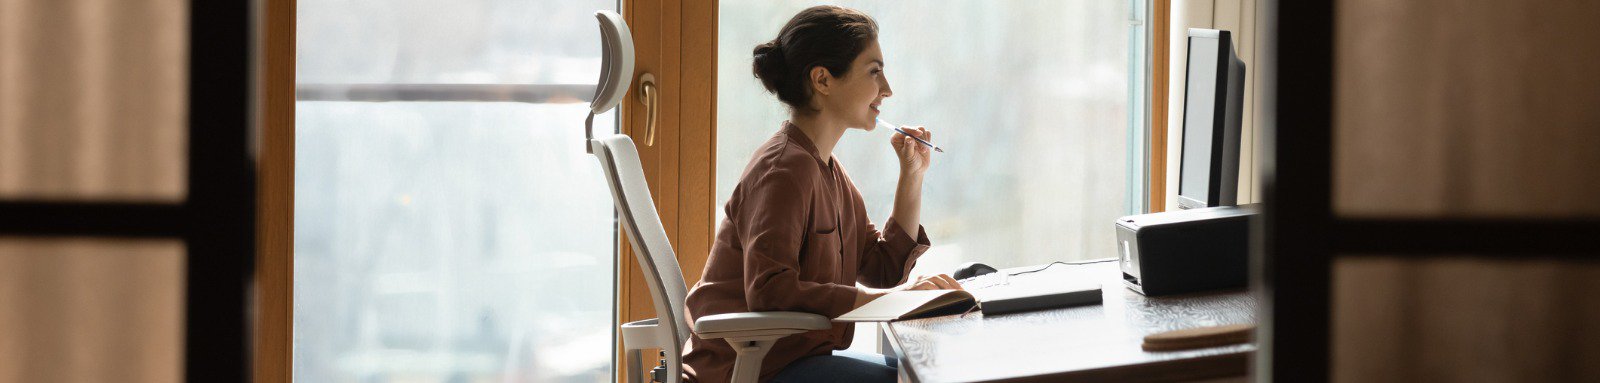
x,y
914,157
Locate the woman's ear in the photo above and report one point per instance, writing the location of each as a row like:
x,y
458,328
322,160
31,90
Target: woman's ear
x,y
821,79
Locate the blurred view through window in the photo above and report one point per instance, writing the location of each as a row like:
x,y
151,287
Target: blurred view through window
x,y
1040,106
448,225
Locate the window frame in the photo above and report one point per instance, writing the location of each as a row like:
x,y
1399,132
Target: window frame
x,y
1160,62
273,334
676,42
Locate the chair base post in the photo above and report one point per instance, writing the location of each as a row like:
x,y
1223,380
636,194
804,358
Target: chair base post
x,y
632,366
747,365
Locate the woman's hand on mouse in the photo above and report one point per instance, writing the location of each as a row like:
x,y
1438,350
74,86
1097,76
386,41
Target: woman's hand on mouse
x,y
914,156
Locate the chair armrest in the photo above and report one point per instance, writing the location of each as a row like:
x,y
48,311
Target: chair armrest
x,y
724,325
752,334
648,333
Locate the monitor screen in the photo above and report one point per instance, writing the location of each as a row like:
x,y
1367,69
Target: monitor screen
x,y
1198,121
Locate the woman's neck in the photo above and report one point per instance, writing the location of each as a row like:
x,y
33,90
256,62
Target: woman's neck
x,y
824,132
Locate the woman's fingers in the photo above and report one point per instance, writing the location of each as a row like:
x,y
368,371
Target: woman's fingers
x,y
952,281
935,282
922,133
954,286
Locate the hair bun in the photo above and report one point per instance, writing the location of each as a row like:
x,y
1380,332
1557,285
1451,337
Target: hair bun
x,y
769,64
770,49
769,53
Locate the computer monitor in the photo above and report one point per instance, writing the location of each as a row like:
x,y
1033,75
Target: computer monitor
x,y
1213,103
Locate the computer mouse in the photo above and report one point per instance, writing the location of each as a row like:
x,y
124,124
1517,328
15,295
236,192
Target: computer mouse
x,y
971,269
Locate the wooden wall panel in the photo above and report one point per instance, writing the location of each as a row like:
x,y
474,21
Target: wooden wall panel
x,y
93,100
87,310
1466,108
1464,319
1451,110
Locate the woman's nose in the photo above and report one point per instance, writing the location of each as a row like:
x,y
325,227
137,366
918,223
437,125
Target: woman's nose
x,y
886,90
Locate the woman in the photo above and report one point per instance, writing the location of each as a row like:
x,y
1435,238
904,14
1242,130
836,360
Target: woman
x,y
797,237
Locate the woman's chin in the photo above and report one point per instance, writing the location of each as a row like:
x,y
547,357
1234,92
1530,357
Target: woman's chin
x,y
863,126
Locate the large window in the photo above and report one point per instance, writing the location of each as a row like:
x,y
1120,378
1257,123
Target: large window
x,y
1039,104
449,226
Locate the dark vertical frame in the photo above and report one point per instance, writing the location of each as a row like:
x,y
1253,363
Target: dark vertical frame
x,y
216,223
222,186
1295,257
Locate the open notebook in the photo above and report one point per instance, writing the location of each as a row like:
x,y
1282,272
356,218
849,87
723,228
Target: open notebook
x,y
910,304
913,304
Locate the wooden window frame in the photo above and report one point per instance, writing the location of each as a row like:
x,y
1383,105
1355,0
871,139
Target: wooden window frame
x,y
669,37
1160,55
677,43
273,333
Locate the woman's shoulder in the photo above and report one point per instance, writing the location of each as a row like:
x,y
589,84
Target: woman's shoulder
x,y
781,157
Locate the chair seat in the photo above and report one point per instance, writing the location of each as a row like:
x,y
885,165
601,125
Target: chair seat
x,y
710,326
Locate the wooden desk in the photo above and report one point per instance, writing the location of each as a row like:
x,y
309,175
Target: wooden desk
x,y
1085,343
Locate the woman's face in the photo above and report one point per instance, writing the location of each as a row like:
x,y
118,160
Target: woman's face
x,y
854,98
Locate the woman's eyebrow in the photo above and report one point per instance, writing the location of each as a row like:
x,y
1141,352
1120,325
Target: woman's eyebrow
x,y
880,62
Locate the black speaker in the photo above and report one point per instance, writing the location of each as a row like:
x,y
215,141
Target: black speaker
x,y
1186,251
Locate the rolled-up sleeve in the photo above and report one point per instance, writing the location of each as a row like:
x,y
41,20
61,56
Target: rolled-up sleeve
x,y
887,256
772,229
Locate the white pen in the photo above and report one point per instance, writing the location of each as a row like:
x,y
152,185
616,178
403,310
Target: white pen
x,y
896,128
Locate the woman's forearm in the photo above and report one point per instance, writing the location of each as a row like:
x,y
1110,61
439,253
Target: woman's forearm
x,y
908,203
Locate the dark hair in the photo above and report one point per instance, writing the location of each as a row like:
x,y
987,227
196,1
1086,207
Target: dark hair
x,y
827,36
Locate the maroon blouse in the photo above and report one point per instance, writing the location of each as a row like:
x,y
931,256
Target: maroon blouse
x,y
796,238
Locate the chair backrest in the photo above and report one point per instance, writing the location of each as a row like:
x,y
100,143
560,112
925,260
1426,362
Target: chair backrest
x,y
620,160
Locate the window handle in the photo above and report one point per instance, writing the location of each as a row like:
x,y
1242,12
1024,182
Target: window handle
x,y
649,95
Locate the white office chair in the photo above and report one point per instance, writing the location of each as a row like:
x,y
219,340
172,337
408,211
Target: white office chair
x,y
750,334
